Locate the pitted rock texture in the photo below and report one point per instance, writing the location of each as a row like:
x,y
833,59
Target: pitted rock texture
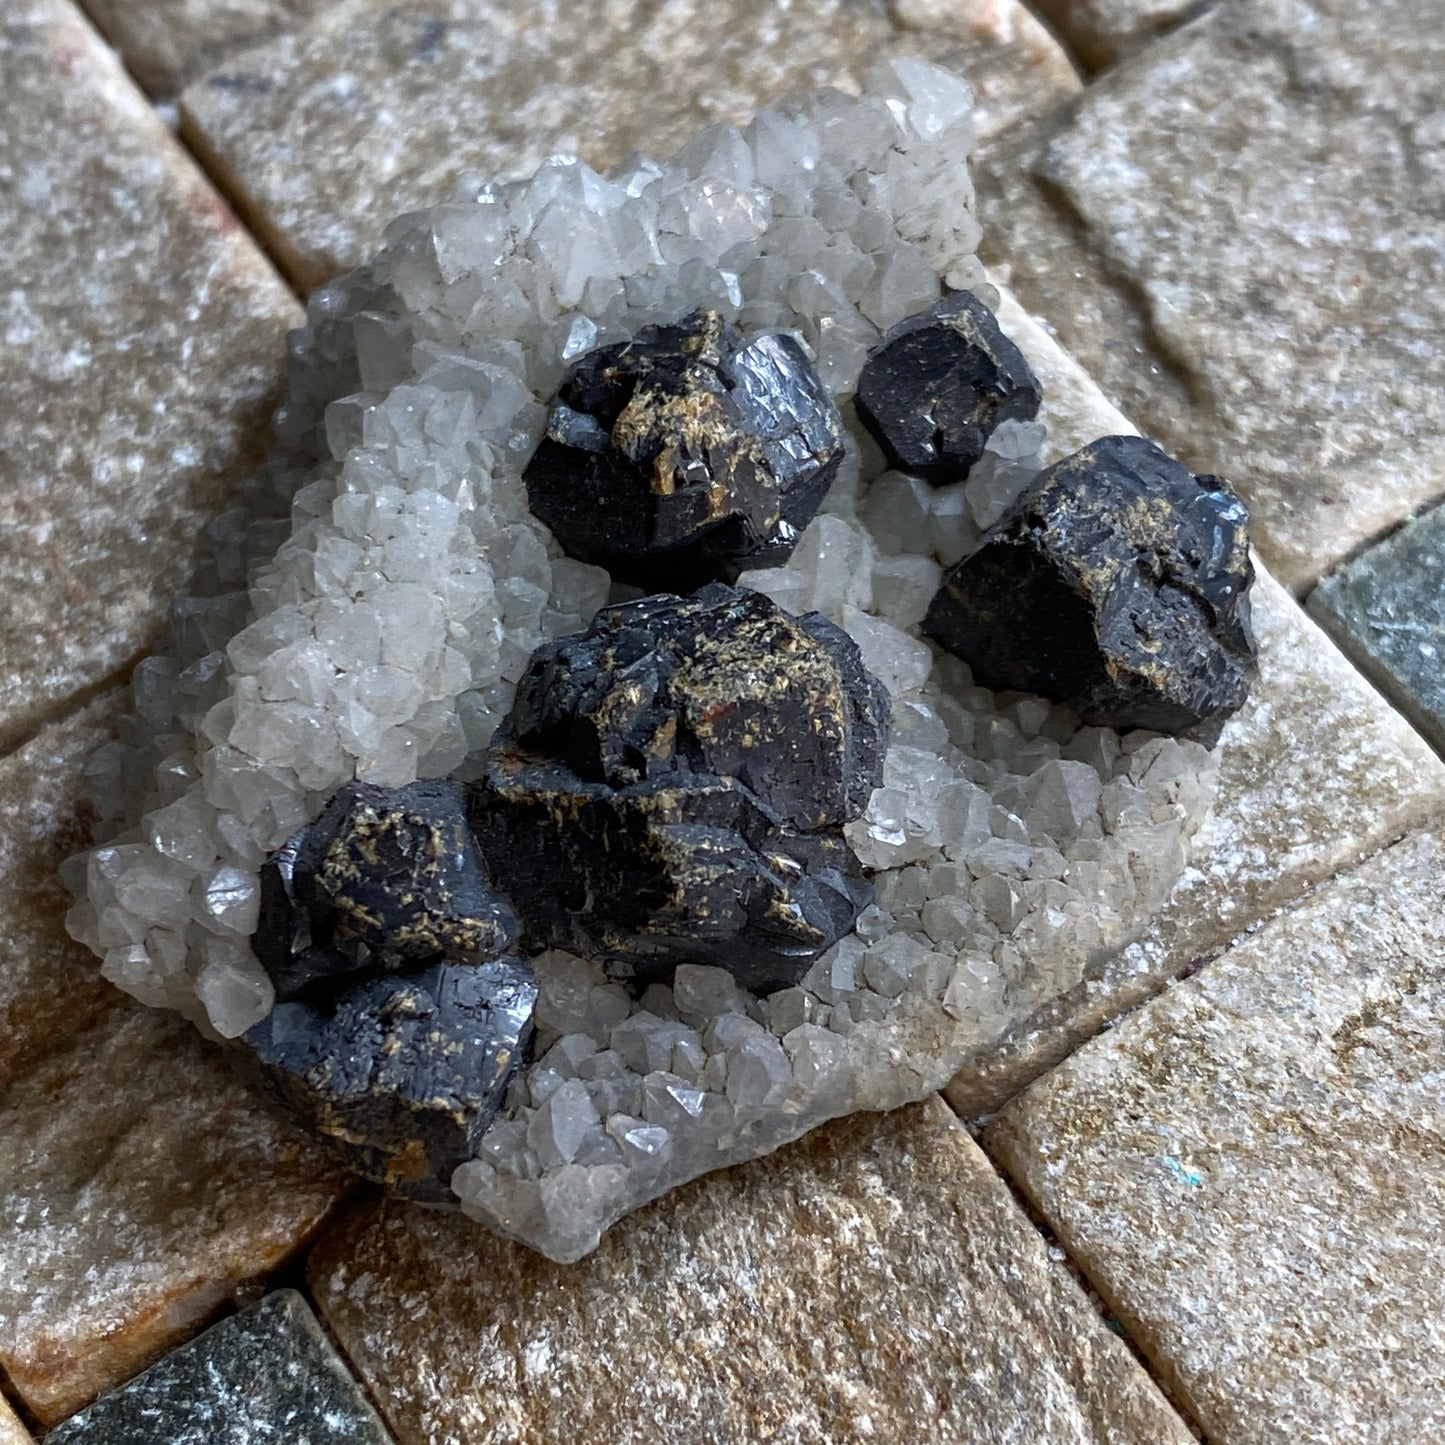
x,y
401,1075
686,455
937,386
672,787
385,880
1119,584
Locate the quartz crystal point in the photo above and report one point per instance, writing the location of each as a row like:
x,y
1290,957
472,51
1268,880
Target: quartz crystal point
x,y
401,1074
672,786
937,385
385,880
1118,583
686,455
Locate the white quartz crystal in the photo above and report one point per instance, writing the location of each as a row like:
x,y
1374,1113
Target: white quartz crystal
x,y
369,608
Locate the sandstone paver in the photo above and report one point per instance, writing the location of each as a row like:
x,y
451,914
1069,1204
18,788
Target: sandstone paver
x,y
874,1281
1237,233
1386,610
324,135
266,1374
12,1432
1100,32
166,43
1251,1170
50,987
140,1184
142,350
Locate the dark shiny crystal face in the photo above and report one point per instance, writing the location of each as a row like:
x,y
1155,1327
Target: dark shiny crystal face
x,y
672,786
1117,583
938,384
401,1074
385,880
686,455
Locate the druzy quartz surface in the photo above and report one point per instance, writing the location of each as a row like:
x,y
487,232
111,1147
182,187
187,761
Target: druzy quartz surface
x,y
367,613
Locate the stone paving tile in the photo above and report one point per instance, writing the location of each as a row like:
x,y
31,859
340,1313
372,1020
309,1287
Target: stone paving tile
x,y
1315,773
268,1373
166,43
142,348
1099,32
12,1432
139,1185
874,1281
1251,1170
323,136
50,988
1387,610
1251,280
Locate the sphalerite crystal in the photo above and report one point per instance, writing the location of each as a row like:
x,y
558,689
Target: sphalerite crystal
x,y
686,454
385,880
672,786
936,386
402,1074
1117,583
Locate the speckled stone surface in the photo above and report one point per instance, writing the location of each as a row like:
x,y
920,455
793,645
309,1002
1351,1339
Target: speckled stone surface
x,y
1099,32
1387,610
1315,773
139,1185
1251,1170
268,1374
323,136
166,43
1253,281
12,1432
50,988
142,348
872,1282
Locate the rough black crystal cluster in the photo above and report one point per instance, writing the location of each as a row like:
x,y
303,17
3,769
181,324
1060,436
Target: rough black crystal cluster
x,y
402,1073
938,384
1117,583
672,786
686,455
401,1023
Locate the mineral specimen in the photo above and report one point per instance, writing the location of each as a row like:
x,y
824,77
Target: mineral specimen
x,y
672,787
685,455
933,390
401,1074
385,880
1119,584
369,603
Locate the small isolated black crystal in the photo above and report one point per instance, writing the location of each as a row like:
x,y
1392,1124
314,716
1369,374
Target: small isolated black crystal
x,y
937,385
385,880
402,1074
686,455
1117,583
671,786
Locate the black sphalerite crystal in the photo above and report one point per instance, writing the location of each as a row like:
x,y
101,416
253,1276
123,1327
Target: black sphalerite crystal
x,y
385,880
934,389
671,786
686,455
1117,583
402,1074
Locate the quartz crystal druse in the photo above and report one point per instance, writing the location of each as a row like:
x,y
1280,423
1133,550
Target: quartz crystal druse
x,y
658,698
